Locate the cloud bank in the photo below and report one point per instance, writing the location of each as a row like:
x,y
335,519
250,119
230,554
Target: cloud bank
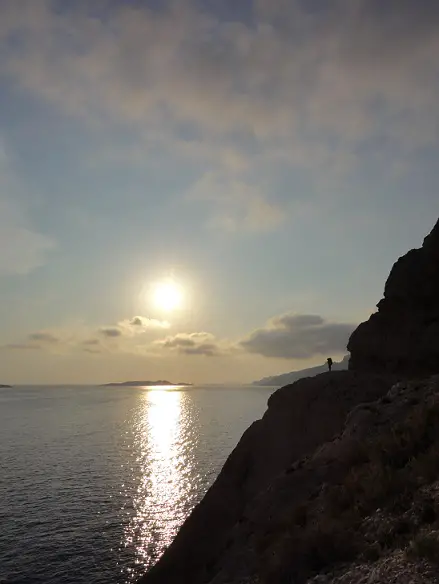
x,y
336,66
193,344
292,83
298,336
289,336
129,335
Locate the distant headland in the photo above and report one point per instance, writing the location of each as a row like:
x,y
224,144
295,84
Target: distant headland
x,y
2,386
142,383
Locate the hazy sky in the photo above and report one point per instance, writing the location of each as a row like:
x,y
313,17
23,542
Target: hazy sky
x,y
273,159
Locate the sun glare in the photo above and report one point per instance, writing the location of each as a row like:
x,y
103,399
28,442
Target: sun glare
x,y
168,296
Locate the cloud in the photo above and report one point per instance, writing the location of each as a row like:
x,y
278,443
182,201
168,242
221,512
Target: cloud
x,y
22,249
40,340
111,332
44,337
348,69
21,347
193,344
129,336
239,206
298,336
93,346
142,324
130,327
288,336
91,342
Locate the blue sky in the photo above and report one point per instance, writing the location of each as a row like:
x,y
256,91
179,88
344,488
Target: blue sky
x,y
273,160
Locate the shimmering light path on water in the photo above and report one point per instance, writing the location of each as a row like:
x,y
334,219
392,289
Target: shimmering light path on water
x,y
164,440
95,482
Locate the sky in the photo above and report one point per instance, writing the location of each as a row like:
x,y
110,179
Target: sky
x,y
268,160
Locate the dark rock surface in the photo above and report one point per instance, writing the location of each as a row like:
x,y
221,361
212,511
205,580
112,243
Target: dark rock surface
x,y
269,545
403,336
300,418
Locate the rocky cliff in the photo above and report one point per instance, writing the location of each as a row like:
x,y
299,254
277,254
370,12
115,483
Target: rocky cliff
x,y
362,508
299,419
403,336
303,491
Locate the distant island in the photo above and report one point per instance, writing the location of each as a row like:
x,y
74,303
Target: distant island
x,y
142,383
5,386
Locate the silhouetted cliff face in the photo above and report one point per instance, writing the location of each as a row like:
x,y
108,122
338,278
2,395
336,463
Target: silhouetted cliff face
x,y
403,336
349,510
300,418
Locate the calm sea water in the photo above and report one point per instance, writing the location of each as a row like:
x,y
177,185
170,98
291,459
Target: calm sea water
x,y
95,482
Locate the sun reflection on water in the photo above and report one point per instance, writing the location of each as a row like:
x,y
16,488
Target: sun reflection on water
x,y
164,476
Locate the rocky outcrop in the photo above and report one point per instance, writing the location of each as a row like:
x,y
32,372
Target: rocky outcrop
x,y
403,336
299,419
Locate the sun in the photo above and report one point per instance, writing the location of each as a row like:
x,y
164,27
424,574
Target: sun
x,y
168,296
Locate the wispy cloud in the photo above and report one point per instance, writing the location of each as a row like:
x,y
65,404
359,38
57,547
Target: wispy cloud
x,y
131,335
52,341
326,89
237,205
302,86
110,332
22,347
93,346
294,76
22,248
141,324
137,325
45,337
193,344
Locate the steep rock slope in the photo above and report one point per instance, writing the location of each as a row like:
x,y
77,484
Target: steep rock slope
x,y
403,336
299,419
364,503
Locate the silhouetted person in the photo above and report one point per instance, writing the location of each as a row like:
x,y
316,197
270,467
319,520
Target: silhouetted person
x,y
329,362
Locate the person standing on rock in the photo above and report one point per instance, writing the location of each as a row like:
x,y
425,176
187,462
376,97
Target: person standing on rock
x,y
329,362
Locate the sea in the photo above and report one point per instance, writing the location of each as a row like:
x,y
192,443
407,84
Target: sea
x,y
96,481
